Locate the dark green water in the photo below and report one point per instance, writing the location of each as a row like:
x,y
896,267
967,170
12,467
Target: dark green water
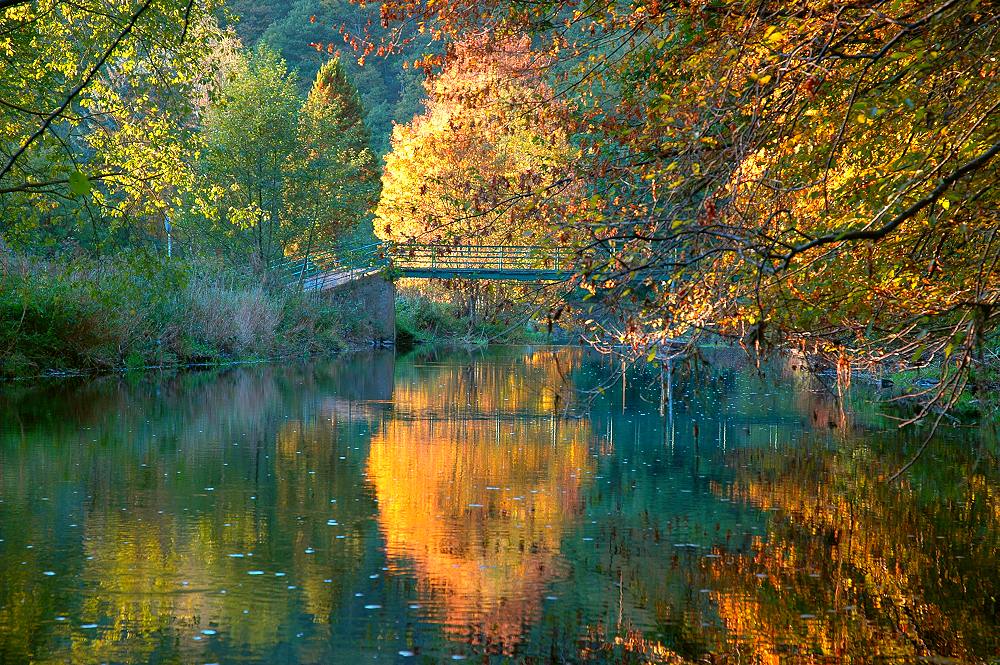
x,y
455,506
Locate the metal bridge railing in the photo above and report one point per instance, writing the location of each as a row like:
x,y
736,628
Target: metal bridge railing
x,y
472,258
320,270
332,267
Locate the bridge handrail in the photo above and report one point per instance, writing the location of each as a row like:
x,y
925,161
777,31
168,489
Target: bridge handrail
x,y
316,268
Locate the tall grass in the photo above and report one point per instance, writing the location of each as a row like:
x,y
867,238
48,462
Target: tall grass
x,y
137,311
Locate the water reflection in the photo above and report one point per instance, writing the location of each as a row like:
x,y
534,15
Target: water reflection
x,y
473,505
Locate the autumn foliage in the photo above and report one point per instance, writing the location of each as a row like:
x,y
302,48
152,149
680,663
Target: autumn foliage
x,y
820,174
488,160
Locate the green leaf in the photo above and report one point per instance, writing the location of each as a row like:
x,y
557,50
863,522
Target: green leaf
x,y
79,184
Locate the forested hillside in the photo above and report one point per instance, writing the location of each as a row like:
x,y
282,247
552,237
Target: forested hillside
x,y
303,32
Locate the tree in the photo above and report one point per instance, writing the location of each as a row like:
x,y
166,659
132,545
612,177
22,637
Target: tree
x,y
336,182
252,134
487,162
94,109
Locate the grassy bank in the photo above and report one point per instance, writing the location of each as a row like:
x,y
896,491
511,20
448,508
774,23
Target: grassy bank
x,y
908,389
421,320
134,312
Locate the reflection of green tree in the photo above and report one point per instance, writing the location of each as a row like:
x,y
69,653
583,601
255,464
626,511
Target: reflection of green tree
x,y
149,558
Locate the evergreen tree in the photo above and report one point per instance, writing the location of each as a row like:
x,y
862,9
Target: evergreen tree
x,y
337,180
334,97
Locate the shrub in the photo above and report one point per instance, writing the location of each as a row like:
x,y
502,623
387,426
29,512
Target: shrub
x,y
136,311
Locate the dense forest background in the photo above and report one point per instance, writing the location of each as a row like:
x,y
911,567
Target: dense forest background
x,y
390,93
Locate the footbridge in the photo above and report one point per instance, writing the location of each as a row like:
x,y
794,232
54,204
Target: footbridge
x,y
331,268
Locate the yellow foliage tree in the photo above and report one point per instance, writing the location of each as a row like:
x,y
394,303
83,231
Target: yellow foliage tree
x,y
487,159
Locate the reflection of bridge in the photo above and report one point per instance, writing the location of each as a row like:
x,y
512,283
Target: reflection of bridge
x,y
327,269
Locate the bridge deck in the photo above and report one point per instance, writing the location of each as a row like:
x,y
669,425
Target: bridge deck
x,y
319,271
513,274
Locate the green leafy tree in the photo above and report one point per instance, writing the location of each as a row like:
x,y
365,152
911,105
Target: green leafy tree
x,y
252,134
95,114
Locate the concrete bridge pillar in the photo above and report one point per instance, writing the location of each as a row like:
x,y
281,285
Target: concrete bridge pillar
x,y
373,298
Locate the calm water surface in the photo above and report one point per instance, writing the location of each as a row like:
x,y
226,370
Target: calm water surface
x,y
478,507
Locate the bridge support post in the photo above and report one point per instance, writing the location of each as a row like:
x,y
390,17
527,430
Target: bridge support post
x,y
373,299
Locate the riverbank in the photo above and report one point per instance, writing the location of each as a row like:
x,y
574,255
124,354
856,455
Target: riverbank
x,y
134,313
423,321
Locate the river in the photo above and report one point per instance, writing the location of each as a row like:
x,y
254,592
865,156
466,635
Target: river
x,y
512,505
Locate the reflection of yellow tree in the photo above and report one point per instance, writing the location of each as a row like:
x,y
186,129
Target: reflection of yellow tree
x,y
892,584
482,555
540,385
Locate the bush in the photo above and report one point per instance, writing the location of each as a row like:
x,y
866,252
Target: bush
x,y
423,320
136,311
